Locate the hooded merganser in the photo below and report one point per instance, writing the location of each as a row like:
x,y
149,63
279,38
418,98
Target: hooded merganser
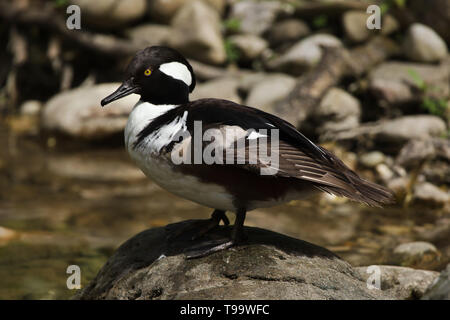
x,y
163,123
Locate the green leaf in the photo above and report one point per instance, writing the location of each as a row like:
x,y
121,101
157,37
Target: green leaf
x,y
231,51
320,21
417,79
232,24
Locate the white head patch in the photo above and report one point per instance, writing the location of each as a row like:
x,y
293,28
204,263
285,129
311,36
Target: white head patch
x,y
177,71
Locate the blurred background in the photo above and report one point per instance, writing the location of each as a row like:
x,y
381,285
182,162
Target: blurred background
x,y
378,98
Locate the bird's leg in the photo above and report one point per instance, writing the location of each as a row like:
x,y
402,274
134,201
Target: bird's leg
x,y
202,227
237,236
214,221
237,233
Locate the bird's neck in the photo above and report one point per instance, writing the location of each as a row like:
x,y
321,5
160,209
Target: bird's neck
x,y
169,93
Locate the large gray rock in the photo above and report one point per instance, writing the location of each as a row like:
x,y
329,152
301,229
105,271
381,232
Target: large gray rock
x,y
392,135
268,266
372,159
337,111
111,13
418,254
354,24
423,44
165,10
440,288
410,127
222,88
78,112
197,33
92,168
255,17
403,283
249,46
303,55
287,31
417,151
150,34
397,82
266,92
429,195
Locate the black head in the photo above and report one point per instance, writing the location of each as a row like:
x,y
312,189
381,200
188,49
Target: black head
x,y
160,75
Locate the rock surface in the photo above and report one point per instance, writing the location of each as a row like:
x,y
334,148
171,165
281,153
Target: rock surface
x,y
249,46
150,34
418,254
400,82
403,283
111,13
429,195
165,10
417,151
354,24
303,55
439,289
255,17
78,112
392,135
286,31
372,159
266,92
197,33
222,88
423,44
268,266
337,111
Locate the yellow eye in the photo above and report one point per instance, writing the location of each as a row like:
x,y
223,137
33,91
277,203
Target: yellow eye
x,y
148,72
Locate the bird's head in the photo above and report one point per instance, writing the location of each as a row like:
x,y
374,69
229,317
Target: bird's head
x,y
160,75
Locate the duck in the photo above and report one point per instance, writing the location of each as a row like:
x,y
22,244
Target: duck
x,y
221,154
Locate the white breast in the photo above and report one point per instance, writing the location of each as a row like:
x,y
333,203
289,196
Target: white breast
x,y
143,114
159,167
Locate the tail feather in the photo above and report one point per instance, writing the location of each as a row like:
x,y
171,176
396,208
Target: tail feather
x,y
361,190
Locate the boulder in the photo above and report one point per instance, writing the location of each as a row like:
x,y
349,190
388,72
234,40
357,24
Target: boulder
x,y
111,13
437,172
31,108
303,55
401,82
164,10
337,111
266,92
423,44
255,17
78,113
197,33
222,88
287,31
403,283
268,266
440,288
249,46
355,28
392,135
429,195
372,159
417,151
418,254
150,34
78,166
354,25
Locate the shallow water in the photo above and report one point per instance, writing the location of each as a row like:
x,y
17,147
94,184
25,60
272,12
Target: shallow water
x,y
72,204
